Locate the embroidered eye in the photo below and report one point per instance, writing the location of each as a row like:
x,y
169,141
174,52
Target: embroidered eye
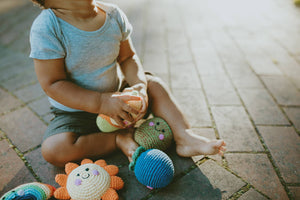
x,y
157,123
78,174
87,169
163,130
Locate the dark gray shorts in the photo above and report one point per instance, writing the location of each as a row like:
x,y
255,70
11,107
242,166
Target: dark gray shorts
x,y
77,122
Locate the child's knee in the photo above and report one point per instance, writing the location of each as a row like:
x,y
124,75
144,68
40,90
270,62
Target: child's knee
x,y
156,86
154,81
53,152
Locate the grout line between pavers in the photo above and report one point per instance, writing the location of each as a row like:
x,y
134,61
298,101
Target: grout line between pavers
x,y
293,184
244,190
35,99
195,127
21,156
224,105
268,153
246,152
240,192
32,82
31,149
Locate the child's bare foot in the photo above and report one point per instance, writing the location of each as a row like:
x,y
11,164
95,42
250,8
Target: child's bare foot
x,y
192,145
126,143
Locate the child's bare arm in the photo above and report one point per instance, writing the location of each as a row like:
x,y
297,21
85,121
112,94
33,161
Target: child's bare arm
x,y
53,79
130,64
133,71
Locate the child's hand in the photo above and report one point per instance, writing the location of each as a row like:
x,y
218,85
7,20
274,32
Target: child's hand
x,y
114,106
141,89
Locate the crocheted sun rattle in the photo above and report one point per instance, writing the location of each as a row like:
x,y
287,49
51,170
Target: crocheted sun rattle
x,y
89,181
107,124
27,191
153,168
154,133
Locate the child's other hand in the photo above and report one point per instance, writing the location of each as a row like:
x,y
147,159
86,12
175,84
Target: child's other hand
x,y
114,106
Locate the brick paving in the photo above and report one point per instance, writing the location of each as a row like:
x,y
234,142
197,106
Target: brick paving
x,y
234,67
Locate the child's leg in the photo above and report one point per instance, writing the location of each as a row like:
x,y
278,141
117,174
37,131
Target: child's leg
x,y
65,147
187,144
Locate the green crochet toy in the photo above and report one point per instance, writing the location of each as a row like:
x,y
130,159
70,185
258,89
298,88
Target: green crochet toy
x,y
154,133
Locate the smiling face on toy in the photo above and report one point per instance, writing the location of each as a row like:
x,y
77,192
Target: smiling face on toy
x,y
154,133
161,127
83,177
88,181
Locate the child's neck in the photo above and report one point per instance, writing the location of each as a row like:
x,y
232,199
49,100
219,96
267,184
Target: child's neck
x,y
79,9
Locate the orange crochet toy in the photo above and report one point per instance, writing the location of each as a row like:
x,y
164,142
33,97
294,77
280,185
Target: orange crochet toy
x,y
89,181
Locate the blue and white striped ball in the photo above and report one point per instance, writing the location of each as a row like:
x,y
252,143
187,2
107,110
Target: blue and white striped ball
x,y
154,169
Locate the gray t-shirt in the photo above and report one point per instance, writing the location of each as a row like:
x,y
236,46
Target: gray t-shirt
x,y
90,56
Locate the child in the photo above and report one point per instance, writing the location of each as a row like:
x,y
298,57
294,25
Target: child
x,y
77,47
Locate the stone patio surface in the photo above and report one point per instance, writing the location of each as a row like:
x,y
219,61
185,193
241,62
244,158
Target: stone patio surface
x,y
234,66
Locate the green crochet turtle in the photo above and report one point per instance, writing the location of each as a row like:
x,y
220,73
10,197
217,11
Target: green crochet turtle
x,y
154,133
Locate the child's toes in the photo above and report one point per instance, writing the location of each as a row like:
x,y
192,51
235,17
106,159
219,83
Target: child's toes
x,y
218,144
222,148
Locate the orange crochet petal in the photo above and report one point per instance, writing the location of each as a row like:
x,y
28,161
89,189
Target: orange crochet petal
x,y
111,169
61,179
116,182
86,161
61,193
101,163
110,194
70,167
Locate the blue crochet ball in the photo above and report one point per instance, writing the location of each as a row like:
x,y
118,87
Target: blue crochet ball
x,y
154,169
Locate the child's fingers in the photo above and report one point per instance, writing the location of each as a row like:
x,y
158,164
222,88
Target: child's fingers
x,y
126,116
119,121
129,98
129,109
223,149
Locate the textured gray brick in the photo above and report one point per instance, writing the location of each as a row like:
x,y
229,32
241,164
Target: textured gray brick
x,y
262,107
283,90
236,129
